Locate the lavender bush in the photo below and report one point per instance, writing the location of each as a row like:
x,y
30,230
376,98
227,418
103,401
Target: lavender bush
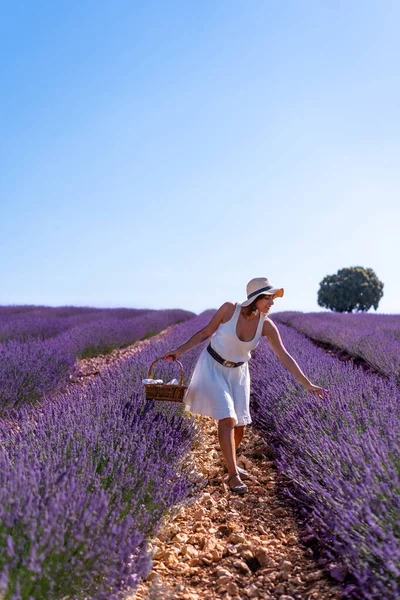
x,y
35,310
86,477
45,322
28,370
101,337
374,338
341,457
23,328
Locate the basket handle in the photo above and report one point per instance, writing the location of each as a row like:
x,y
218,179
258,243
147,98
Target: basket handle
x,y
150,375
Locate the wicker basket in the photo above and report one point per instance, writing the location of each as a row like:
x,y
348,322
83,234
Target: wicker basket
x,y
164,391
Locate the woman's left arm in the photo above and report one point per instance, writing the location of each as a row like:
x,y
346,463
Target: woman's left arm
x,y
270,331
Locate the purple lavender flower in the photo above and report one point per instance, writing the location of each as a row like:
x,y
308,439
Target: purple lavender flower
x,y
341,459
86,477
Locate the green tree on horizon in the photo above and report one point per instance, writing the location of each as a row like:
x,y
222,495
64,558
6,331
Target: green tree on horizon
x,y
352,288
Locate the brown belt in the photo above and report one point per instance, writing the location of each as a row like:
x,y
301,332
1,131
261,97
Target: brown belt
x,y
218,358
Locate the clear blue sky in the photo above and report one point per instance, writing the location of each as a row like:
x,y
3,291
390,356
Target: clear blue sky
x,y
161,154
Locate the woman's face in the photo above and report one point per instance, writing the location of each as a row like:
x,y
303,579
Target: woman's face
x,y
265,303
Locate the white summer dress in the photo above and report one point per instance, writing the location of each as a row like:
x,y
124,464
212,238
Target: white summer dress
x,y
224,392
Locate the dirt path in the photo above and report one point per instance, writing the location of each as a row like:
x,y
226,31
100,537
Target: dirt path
x,y
220,545
226,546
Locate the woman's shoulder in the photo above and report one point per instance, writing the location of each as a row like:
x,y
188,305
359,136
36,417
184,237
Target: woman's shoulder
x,y
229,308
268,325
230,304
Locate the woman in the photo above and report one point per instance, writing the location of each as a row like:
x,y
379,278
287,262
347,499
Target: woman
x,y
220,384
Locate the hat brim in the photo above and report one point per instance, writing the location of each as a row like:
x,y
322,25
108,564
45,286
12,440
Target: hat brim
x,y
275,293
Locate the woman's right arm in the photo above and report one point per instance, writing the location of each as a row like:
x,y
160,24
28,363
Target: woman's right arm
x,y
201,335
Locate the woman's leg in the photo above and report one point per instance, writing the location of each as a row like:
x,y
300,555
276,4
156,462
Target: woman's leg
x,y
226,438
238,432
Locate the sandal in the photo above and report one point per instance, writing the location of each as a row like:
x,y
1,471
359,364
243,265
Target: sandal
x,y
241,472
241,488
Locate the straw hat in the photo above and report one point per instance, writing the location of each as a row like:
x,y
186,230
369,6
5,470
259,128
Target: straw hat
x,y
261,285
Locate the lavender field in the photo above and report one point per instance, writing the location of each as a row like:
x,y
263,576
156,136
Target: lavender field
x,y
342,460
374,338
88,475
39,345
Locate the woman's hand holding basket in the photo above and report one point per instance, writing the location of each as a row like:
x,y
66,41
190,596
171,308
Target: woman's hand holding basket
x,y
174,355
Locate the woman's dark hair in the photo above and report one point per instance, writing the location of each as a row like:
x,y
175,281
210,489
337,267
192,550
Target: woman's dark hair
x,y
252,306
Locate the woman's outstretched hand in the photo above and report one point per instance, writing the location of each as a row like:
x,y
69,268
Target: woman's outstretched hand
x,y
174,355
320,391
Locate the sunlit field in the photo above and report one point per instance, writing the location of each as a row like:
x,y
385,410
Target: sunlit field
x,y
88,475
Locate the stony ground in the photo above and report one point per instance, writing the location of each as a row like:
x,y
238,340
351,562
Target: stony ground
x,y
219,544
222,545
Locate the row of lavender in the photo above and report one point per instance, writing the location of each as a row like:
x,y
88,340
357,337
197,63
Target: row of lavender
x,y
85,479
31,368
374,338
341,459
111,326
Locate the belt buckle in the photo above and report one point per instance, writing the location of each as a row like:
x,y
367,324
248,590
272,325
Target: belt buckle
x,y
229,363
